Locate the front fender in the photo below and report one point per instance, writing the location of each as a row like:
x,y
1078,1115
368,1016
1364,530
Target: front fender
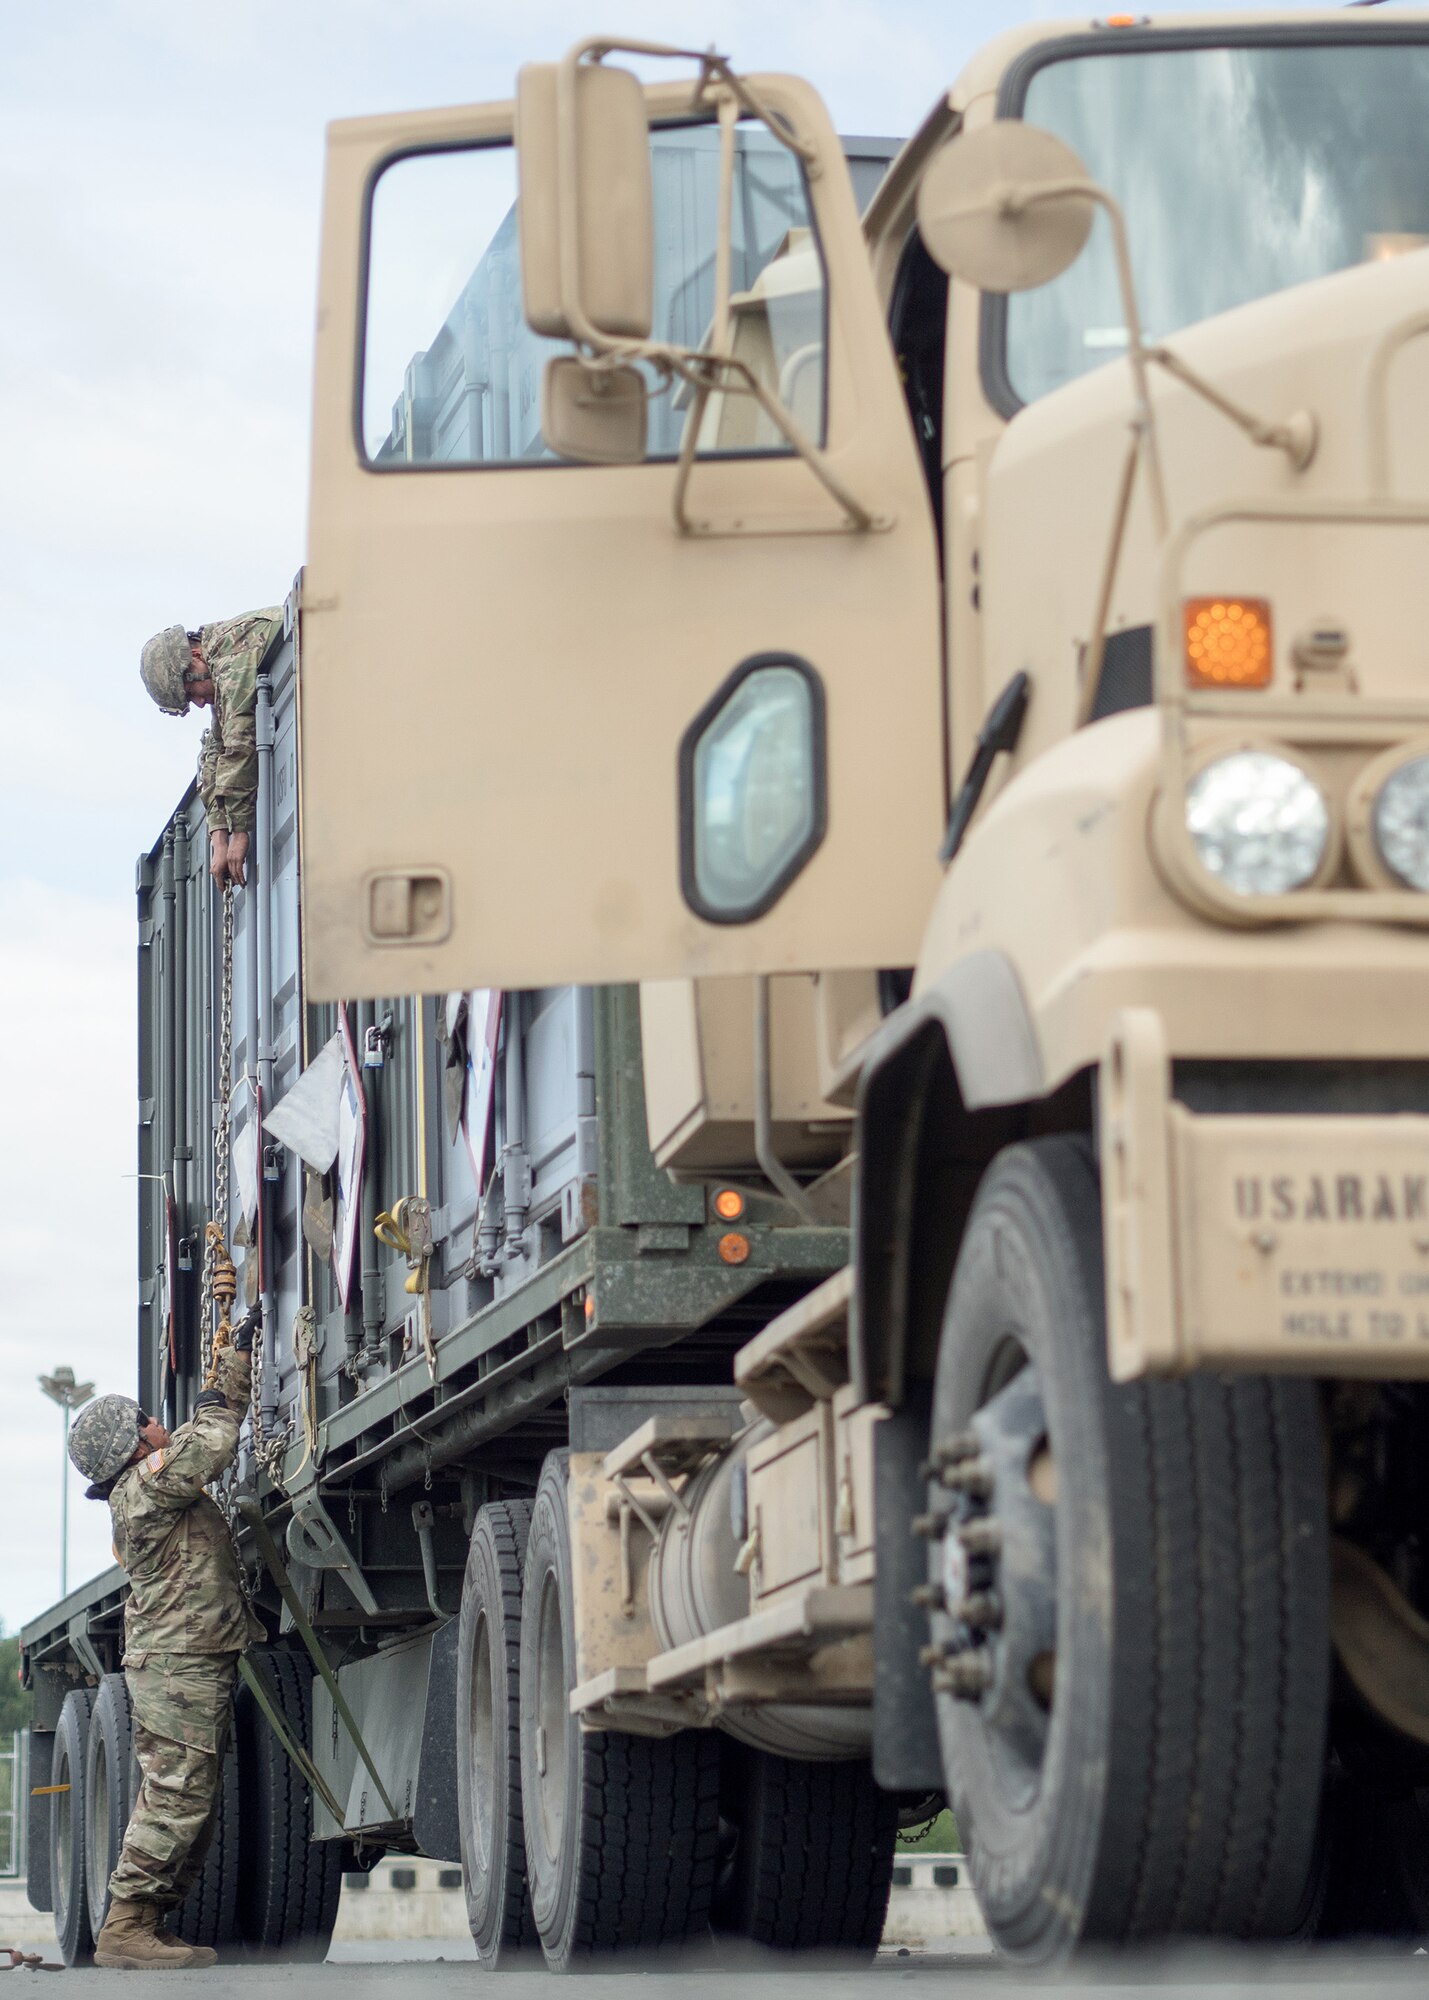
x,y
937,1098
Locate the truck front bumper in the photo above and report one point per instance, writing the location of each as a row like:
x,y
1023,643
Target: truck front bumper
x,y
1297,1243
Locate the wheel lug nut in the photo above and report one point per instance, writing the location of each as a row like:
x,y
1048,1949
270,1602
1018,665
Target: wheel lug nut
x,y
932,1527
966,1676
929,1597
962,1444
980,1538
932,1656
972,1476
981,1611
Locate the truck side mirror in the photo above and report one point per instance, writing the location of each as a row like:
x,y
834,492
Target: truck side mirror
x,y
1007,208
594,415
586,202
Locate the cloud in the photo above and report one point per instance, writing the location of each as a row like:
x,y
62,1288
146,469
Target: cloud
x,y
67,1019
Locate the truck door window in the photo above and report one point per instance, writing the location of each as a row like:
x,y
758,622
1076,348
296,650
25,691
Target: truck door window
x,y
451,373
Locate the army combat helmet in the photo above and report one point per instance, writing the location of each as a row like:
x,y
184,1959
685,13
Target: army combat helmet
x,y
162,666
104,1437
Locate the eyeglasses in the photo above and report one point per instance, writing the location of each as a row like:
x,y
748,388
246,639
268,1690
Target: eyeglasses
x,y
144,1423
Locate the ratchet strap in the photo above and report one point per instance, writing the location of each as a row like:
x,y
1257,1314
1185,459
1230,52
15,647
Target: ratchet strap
x,y
316,1782
253,1516
31,1960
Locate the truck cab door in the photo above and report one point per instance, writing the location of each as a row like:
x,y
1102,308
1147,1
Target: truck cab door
x,y
550,733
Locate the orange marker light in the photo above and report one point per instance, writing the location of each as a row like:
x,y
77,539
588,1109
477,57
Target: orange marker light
x,y
1228,642
729,1204
589,1308
734,1248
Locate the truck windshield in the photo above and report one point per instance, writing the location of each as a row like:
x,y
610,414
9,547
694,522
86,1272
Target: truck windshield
x,y
1240,170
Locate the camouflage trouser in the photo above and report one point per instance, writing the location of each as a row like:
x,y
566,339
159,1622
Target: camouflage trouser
x,y
183,1708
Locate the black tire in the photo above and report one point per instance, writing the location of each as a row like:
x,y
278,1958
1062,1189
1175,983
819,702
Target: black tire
x,y
621,1831
67,1828
288,1883
109,1788
209,1913
812,1862
488,1731
1166,1780
37,1826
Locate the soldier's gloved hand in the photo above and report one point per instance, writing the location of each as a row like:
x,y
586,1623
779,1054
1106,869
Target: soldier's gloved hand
x,y
242,1335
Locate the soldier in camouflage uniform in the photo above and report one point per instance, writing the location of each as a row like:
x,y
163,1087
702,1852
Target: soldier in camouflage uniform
x,y
185,1624
217,667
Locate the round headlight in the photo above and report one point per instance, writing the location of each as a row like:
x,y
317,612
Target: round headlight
x,y
1401,823
1258,822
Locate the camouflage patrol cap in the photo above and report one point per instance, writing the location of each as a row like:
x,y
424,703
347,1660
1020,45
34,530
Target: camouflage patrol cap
x,y
162,666
104,1437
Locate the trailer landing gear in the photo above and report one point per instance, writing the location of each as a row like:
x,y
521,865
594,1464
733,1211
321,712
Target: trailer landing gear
x,y
1129,1621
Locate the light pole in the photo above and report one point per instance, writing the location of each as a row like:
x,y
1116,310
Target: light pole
x,y
62,1388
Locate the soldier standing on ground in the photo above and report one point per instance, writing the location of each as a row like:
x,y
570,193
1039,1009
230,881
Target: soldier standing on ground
x,y
217,667
185,1624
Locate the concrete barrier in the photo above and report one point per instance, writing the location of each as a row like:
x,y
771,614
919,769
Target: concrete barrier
x,y
407,1898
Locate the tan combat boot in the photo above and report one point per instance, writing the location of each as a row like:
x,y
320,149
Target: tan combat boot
x,y
129,1942
200,1954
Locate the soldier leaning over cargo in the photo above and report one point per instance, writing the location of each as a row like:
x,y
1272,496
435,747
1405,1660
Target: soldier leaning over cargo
x,y
185,1625
218,667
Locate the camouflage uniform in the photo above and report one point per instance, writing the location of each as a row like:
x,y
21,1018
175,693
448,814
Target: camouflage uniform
x,y
185,1625
228,755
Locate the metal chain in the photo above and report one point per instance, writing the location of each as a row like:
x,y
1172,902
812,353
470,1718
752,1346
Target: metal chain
x,y
213,1246
215,1240
268,1452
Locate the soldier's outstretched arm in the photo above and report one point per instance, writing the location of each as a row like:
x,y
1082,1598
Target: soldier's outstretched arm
x,y
237,649
235,764
232,1371
207,1443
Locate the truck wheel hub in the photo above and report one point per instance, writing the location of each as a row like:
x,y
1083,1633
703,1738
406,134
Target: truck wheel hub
x,y
995,1568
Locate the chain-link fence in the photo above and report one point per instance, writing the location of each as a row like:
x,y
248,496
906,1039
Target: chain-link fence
x,y
14,1763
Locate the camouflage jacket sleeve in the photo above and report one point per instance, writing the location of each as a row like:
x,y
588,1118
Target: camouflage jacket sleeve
x,y
207,757
233,1379
228,765
200,1449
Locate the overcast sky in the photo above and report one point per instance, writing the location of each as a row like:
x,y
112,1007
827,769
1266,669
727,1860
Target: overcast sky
x,y
160,168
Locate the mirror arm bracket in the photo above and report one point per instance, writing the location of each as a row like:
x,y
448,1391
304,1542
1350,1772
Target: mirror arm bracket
x,y
1013,201
717,82
715,69
1297,437
1094,651
698,370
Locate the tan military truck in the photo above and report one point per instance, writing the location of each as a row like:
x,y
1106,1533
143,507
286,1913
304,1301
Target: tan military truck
x,y
1024,584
